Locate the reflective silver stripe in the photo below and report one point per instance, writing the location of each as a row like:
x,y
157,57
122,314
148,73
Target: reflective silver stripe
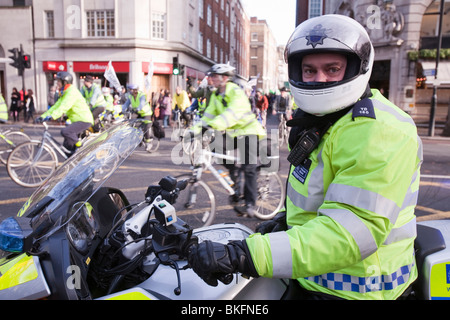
x,y
346,282
209,116
363,199
359,231
281,255
315,189
383,107
407,231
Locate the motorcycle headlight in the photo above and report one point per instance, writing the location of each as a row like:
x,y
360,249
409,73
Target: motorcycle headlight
x,y
11,236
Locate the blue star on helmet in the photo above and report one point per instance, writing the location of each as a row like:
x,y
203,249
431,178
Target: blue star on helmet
x,y
316,36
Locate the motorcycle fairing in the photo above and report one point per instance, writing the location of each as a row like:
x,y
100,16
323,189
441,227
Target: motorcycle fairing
x,y
22,278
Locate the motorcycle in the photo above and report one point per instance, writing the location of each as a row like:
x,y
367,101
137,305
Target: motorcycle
x,y
77,239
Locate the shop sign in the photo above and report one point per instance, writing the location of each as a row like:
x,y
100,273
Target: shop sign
x,y
158,67
54,66
100,67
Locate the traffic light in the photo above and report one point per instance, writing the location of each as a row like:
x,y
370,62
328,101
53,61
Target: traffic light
x,y
182,69
176,66
15,57
26,61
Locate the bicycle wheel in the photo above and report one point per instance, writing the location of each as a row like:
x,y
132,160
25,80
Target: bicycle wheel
x,y
152,145
9,141
271,194
29,164
196,205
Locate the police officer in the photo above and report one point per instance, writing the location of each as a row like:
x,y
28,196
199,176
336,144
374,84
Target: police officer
x,y
229,109
137,103
348,228
72,104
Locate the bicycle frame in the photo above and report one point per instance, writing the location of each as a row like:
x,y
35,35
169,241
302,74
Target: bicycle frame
x,y
209,166
47,137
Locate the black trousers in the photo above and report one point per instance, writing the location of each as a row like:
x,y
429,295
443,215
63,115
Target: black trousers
x,y
247,147
71,132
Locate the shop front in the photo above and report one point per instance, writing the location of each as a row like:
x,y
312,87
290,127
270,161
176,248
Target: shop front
x,y
97,70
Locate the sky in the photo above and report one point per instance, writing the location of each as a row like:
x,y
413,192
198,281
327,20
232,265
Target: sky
x,y
279,14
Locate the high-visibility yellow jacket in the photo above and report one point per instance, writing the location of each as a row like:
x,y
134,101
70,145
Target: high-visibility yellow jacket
x,y
350,209
232,112
182,100
3,109
93,96
72,104
139,103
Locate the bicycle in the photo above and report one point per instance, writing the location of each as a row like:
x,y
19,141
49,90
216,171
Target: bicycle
x,y
9,139
283,129
32,162
197,203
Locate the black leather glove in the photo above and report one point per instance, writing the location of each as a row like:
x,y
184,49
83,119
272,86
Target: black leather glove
x,y
278,223
214,261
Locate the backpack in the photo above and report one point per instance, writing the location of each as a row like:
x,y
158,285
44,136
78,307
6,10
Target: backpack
x,y
158,130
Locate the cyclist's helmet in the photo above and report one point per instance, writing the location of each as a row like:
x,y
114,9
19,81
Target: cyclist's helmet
x,y
65,77
330,34
223,69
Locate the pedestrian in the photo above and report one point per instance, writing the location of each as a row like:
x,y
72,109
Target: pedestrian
x,y
15,105
52,97
348,227
30,106
165,107
74,106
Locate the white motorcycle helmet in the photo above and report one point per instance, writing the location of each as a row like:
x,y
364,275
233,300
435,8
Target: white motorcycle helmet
x,y
330,34
223,69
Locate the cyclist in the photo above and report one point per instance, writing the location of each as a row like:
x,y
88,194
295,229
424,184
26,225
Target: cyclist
x,y
282,103
349,226
229,109
94,96
137,103
180,101
72,104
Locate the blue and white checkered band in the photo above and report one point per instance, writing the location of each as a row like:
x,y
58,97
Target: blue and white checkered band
x,y
316,36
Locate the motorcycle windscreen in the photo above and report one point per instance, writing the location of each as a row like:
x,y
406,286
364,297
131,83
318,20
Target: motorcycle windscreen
x,y
79,178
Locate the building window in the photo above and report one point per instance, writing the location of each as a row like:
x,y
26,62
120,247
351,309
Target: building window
x,y
200,8
50,24
216,23
100,24
227,9
216,53
19,3
315,8
200,42
222,27
226,34
158,25
209,16
254,36
208,48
